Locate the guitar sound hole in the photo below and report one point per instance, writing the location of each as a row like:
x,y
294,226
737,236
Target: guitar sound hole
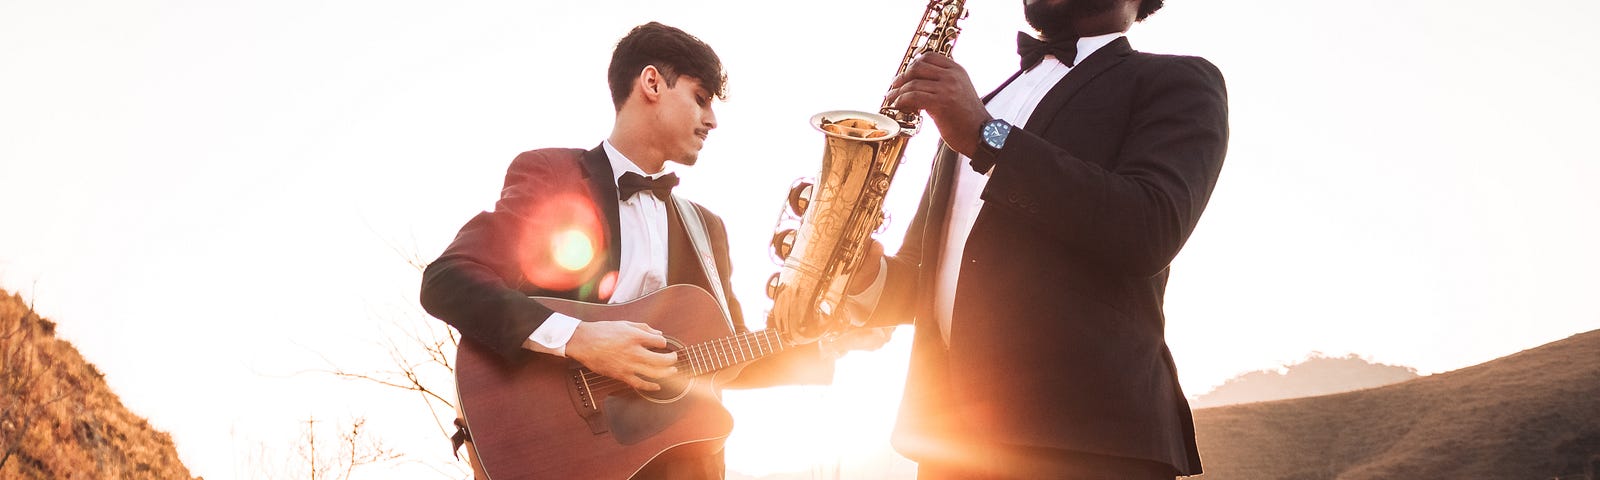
x,y
674,387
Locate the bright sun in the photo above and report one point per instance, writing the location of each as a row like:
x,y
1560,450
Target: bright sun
x,y
830,430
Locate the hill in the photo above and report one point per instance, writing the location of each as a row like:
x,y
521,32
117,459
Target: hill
x,y
1530,415
1317,375
59,419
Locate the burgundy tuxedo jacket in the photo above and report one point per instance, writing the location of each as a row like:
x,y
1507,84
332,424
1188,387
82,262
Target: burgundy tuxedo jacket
x,y
481,283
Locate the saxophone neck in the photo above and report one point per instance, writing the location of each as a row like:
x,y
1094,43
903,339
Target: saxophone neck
x,y
936,33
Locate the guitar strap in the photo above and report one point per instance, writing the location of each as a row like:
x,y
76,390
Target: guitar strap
x,y
701,241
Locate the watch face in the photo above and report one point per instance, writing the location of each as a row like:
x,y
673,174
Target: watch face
x,y
994,133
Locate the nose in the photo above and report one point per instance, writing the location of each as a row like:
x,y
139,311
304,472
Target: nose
x,y
709,119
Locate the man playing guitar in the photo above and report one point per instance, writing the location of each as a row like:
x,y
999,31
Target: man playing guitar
x,y
600,226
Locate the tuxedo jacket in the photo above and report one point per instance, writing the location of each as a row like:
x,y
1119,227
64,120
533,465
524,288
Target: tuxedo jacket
x,y
1056,339
481,283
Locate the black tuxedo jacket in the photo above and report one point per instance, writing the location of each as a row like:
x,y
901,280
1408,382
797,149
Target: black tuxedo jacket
x,y
481,283
1057,334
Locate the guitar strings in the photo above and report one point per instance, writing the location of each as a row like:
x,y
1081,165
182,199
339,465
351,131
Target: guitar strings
x,y
722,348
684,358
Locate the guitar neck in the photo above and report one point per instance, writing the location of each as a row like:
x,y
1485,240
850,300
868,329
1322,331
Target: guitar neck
x,y
714,355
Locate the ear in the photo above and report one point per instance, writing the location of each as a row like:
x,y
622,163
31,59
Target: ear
x,y
650,83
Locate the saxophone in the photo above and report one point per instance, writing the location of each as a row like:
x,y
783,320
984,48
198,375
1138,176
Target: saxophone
x,y
843,207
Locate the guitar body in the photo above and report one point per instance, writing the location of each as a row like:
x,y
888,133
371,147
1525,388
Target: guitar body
x,y
540,417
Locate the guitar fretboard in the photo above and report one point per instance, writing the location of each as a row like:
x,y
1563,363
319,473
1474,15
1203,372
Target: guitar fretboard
x,y
707,357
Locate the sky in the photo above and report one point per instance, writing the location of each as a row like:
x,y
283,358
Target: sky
x,y
215,200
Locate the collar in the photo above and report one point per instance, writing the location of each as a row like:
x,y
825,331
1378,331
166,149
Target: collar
x,y
620,164
1088,45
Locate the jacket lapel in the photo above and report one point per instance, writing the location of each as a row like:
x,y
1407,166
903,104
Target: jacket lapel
x,y
1086,71
603,184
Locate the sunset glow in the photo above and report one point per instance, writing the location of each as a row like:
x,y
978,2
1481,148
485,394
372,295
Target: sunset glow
x,y
169,165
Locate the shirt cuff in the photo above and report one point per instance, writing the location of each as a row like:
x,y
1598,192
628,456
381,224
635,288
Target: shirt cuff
x,y
860,306
552,336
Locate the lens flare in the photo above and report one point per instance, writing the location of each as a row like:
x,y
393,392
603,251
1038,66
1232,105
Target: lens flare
x,y
562,243
572,249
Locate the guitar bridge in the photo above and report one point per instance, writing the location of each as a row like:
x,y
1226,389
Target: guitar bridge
x,y
585,400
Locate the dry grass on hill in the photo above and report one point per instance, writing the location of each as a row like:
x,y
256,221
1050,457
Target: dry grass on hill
x,y
58,419
1532,415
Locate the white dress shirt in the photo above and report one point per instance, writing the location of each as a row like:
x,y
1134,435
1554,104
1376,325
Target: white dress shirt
x,y
1014,104
644,256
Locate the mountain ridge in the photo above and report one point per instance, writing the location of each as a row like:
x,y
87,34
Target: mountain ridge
x,y
59,418
1533,414
1316,375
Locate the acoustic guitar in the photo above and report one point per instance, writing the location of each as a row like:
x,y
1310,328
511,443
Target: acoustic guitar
x,y
543,416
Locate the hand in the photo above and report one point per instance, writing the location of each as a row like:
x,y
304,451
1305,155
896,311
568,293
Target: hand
x,y
938,85
868,271
621,350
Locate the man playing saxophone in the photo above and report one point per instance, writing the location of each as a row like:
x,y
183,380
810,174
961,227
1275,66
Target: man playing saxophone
x,y
1036,263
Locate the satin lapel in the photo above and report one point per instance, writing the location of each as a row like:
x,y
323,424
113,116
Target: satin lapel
x,y
1091,67
597,168
944,172
933,233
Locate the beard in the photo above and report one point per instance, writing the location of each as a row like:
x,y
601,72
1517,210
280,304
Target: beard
x,y
1053,19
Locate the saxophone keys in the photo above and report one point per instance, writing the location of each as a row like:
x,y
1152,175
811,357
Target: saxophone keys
x,y
774,285
783,243
800,197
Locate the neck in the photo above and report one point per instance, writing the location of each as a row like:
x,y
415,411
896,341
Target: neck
x,y
1114,20
626,136
1093,31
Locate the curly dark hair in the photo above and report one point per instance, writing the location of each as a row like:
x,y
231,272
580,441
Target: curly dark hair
x,y
671,51
1147,7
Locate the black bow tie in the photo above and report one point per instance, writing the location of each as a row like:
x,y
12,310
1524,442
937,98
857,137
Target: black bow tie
x,y
632,183
1033,50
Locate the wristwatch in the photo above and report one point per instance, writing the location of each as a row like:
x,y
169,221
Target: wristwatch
x,y
993,138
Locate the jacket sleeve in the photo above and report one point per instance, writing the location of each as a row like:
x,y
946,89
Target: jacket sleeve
x,y
476,284
896,302
1136,215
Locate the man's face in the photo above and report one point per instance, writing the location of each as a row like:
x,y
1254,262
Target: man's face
x,y
686,119
1054,18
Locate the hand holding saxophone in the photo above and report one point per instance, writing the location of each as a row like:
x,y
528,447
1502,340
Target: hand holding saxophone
x,y
941,87
868,271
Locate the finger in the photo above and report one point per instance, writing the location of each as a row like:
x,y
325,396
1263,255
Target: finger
x,y
894,95
911,73
909,101
640,383
917,70
658,360
645,327
658,372
653,340
937,60
932,65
